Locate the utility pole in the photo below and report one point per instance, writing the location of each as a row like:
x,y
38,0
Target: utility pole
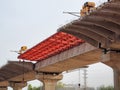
x,y
84,68
85,78
79,78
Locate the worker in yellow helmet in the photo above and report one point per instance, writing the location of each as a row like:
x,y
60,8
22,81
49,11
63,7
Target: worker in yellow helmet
x,y
23,49
87,7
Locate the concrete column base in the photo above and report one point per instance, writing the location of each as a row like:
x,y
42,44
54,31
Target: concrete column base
x,y
49,81
18,85
3,87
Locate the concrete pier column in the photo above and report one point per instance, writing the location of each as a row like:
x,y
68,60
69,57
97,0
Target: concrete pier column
x,y
18,85
112,59
49,80
116,79
3,87
49,84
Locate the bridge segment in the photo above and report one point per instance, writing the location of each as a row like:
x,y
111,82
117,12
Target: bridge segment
x,y
101,28
16,74
99,31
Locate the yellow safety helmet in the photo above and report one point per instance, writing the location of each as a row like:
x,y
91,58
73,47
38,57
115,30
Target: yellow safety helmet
x,y
23,48
89,4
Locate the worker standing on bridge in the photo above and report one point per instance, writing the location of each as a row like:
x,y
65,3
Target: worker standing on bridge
x,y
87,7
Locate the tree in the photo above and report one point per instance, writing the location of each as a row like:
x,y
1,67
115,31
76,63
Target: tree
x,y
106,88
60,85
29,87
110,88
34,88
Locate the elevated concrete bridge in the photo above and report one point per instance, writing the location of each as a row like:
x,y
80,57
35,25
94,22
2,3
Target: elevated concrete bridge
x,y
90,39
101,28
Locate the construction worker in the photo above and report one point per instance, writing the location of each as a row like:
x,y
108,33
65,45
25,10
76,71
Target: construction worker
x,y
87,7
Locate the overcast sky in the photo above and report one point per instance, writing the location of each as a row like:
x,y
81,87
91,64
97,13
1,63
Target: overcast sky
x,y
28,22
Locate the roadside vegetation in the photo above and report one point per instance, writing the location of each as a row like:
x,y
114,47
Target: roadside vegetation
x,y
61,86
106,88
33,88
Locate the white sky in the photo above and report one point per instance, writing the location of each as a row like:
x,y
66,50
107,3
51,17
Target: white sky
x,y
28,22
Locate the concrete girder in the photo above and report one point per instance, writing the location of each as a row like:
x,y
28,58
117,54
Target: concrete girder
x,y
87,32
27,77
79,35
101,27
115,5
5,74
115,0
12,70
26,65
104,23
84,54
2,78
99,22
19,67
100,18
72,63
112,36
101,31
111,10
107,10
4,83
97,29
114,17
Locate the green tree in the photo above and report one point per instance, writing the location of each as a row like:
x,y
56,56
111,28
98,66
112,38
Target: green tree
x,y
60,85
106,88
29,87
110,88
34,88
